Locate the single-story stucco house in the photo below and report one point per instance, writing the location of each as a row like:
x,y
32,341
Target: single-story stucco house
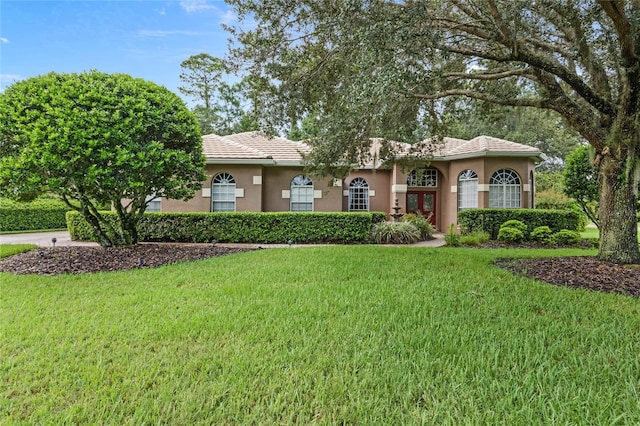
x,y
253,172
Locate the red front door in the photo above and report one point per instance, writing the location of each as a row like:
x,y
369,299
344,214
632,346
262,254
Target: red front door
x,y
422,202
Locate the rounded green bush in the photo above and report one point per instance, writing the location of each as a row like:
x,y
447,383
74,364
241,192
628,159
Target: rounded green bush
x,y
542,234
517,224
567,237
510,235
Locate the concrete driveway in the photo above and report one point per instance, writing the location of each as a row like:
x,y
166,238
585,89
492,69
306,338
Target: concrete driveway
x,y
43,239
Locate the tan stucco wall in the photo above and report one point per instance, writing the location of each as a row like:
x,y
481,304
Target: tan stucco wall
x,y
278,179
243,175
448,172
268,196
522,166
379,181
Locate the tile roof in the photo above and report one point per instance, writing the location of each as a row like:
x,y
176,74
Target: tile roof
x,y
256,147
484,146
253,146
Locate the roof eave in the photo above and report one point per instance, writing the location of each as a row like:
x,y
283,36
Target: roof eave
x,y
261,161
535,156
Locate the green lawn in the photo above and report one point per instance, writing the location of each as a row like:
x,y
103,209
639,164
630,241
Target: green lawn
x,y
9,249
592,232
328,335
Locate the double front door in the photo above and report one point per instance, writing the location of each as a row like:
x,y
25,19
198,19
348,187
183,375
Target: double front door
x,y
422,202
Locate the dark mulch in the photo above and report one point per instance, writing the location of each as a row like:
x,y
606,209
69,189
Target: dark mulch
x,y
75,260
579,272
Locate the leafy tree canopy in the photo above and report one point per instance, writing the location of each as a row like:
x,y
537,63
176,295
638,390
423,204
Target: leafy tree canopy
x,y
98,139
535,127
221,107
386,68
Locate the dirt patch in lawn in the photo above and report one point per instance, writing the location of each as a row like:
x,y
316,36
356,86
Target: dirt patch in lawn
x,y
76,260
579,272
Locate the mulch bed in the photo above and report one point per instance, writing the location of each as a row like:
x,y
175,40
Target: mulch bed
x,y
579,272
75,260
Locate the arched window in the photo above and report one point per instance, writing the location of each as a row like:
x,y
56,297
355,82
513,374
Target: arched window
x,y
223,193
467,190
504,189
425,177
358,195
301,194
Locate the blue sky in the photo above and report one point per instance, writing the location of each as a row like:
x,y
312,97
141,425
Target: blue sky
x,y
144,38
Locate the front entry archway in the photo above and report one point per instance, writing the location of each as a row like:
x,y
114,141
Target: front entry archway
x,y
424,203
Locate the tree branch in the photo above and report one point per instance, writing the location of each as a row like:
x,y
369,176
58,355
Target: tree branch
x,y
482,96
615,10
488,75
521,53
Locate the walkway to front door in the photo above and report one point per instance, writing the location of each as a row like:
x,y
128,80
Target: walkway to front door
x,y
422,202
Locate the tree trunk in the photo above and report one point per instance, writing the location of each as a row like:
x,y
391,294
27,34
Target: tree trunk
x,y
618,223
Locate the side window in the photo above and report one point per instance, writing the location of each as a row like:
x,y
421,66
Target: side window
x,y
504,189
223,193
301,194
467,190
153,204
359,195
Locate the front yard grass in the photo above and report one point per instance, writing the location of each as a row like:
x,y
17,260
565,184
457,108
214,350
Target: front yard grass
x,y
356,335
11,249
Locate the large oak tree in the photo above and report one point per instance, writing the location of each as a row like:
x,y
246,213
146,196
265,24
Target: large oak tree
x,y
98,139
372,67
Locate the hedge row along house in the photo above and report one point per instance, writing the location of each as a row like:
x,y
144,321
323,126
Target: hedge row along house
x,y
253,172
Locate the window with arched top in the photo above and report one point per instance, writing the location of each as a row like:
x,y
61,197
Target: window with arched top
x,y
424,177
223,193
467,190
301,194
504,189
359,195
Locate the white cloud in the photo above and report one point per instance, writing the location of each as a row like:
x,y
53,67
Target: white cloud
x,y
7,79
196,6
4,40
228,17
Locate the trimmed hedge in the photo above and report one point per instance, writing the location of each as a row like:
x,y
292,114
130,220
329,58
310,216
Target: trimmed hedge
x,y
490,220
35,215
244,227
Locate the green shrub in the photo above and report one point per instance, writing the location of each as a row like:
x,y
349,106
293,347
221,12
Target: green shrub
x,y
452,238
395,233
489,220
513,223
423,224
567,237
474,238
542,234
512,231
243,227
45,213
510,235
